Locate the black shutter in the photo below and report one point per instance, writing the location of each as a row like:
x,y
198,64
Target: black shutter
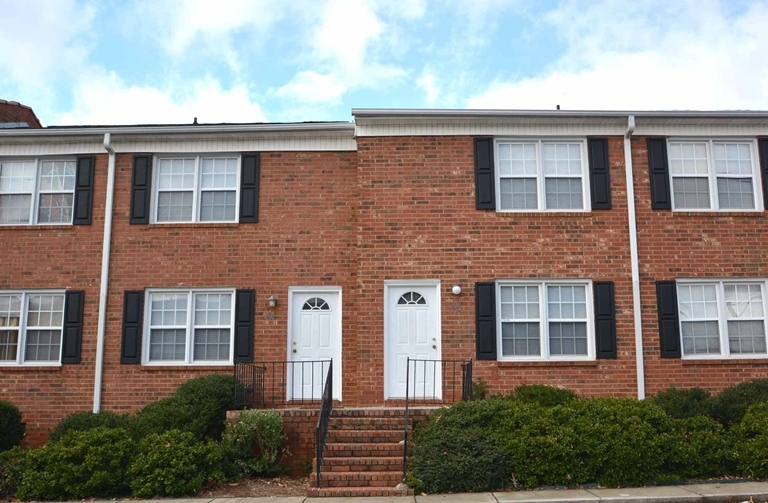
x,y
599,173
83,206
141,189
245,305
658,168
605,319
485,321
485,184
249,188
73,327
763,142
133,316
669,329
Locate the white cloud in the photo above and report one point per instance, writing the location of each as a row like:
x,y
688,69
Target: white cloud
x,y
103,98
427,81
660,55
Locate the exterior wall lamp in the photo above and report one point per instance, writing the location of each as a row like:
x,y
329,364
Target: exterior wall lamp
x,y
272,301
456,290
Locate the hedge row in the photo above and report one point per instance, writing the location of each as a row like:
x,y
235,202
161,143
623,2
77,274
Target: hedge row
x,y
540,436
170,448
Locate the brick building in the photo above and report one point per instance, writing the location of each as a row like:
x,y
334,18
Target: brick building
x,y
137,257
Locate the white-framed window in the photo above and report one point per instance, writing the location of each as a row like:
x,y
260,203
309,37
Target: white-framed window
x,y
189,327
542,175
196,188
31,327
722,318
545,320
37,191
717,175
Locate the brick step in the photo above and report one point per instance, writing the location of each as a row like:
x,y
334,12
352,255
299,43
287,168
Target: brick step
x,y
346,450
368,423
361,464
340,492
373,412
359,479
364,436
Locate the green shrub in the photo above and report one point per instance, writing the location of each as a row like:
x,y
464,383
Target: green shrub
x,y
174,463
730,406
684,403
479,389
83,421
546,396
11,468
11,427
253,446
199,406
705,449
82,464
752,442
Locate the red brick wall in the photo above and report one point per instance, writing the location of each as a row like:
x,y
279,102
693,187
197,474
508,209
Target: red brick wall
x,y
13,111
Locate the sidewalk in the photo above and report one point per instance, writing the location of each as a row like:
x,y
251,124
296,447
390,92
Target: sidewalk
x,y
694,493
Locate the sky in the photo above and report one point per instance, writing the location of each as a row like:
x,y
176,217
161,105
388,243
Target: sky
x,y
99,62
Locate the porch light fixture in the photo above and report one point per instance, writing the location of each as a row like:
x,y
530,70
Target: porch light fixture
x,y
456,289
272,301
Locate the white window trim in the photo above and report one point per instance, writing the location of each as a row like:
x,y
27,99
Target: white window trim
x,y
544,321
196,190
22,344
189,343
714,198
725,351
36,191
540,189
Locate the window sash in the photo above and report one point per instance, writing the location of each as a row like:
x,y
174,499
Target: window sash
x,y
725,322
534,172
36,194
511,313
16,329
156,326
706,162
199,212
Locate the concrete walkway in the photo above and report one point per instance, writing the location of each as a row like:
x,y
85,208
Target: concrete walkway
x,y
695,493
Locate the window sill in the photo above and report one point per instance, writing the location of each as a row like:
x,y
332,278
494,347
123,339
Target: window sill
x,y
35,227
719,361
718,213
54,367
187,368
546,213
547,363
186,225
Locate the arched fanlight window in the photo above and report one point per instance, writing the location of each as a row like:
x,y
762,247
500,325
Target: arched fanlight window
x,y
316,304
412,298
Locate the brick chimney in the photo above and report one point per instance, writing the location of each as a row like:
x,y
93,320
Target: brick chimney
x,y
14,112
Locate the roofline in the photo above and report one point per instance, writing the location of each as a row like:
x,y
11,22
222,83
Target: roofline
x,y
669,114
183,129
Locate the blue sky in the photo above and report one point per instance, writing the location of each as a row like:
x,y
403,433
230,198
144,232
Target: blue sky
x,y
168,61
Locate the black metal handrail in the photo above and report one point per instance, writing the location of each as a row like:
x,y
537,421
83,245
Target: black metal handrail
x,y
321,428
275,383
448,376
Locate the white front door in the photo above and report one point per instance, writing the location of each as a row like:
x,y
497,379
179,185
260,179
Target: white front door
x,y
412,330
314,339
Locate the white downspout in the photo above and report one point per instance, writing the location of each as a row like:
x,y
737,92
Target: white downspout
x,y
634,258
105,254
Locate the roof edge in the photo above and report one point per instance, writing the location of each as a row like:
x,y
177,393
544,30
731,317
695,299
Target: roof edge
x,y
372,113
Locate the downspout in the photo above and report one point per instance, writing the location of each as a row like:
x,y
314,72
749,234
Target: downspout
x,y
105,254
634,258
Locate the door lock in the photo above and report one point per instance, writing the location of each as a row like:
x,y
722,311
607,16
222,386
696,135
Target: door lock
x,y
294,350
434,347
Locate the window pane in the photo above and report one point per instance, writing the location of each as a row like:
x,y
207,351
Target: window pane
x,y
55,208
57,175
566,302
732,159
688,158
561,158
10,310
17,176
45,311
174,207
743,301
168,310
568,338
9,345
563,193
212,344
518,194
691,192
746,337
167,345
176,174
15,209
219,173
520,339
697,302
217,206
213,309
734,193
700,338
42,346
520,302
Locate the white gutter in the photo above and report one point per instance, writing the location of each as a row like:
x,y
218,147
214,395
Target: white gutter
x,y
616,114
635,261
105,254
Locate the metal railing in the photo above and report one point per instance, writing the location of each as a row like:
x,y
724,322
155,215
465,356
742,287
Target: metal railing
x,y
321,428
434,382
276,383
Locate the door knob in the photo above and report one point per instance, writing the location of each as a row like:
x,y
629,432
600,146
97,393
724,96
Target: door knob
x,y
434,347
294,350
